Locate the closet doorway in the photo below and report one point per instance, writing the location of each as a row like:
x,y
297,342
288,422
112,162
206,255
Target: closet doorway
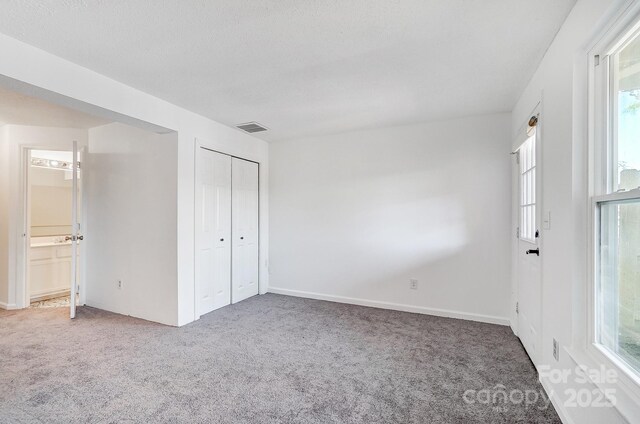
x,y
226,232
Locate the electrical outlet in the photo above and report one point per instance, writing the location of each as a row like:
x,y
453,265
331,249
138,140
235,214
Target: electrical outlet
x,y
119,284
413,284
556,350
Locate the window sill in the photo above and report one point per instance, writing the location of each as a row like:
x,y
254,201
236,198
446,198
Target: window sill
x,y
627,387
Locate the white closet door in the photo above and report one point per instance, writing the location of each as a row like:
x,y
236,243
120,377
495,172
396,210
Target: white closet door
x,y
213,231
245,230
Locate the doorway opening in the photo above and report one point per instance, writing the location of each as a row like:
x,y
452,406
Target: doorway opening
x,y
49,202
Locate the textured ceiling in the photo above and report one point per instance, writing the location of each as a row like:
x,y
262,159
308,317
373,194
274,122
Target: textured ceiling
x,y
303,67
19,109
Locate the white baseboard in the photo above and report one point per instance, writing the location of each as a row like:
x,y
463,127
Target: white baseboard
x,y
556,402
49,294
8,306
393,306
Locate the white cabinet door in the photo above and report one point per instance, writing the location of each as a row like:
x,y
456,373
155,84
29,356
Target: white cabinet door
x,y
245,230
213,231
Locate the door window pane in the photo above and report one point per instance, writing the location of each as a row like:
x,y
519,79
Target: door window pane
x,y
527,154
618,289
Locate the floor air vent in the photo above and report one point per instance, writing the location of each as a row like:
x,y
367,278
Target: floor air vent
x,y
251,127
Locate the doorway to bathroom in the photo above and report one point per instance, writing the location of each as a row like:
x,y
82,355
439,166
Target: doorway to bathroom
x,y
126,174
52,200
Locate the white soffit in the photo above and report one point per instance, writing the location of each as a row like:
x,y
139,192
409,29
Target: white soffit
x,y
18,109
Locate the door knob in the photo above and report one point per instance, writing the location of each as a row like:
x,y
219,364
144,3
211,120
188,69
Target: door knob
x,y
73,238
221,239
536,251
241,238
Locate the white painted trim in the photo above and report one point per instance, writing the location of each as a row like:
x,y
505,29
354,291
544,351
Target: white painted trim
x,y
557,403
588,137
627,402
21,284
8,306
394,306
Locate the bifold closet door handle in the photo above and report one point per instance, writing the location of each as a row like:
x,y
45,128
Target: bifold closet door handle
x,y
536,251
221,239
241,238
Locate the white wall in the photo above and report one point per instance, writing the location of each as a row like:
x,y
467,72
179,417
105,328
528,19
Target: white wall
x,y
51,196
32,70
4,217
355,215
16,137
563,256
130,181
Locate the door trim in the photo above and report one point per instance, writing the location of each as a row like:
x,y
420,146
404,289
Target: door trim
x,y
227,154
23,232
196,287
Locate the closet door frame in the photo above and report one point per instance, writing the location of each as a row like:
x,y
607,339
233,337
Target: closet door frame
x,y
198,148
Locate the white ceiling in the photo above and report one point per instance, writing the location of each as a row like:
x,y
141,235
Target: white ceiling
x,y
304,67
19,109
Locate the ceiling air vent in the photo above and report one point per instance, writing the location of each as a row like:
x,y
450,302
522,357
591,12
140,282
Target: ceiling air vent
x,y
251,127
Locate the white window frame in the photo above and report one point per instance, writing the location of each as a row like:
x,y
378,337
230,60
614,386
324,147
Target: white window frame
x,y
599,179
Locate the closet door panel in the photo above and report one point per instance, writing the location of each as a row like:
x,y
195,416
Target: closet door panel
x,y
245,229
213,231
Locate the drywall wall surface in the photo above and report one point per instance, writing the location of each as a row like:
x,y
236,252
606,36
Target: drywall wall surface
x,y
4,211
130,186
51,193
355,216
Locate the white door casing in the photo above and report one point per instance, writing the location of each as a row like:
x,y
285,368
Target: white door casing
x,y
245,229
213,231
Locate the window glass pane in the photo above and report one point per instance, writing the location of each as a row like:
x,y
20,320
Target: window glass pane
x,y
532,184
618,289
528,189
625,150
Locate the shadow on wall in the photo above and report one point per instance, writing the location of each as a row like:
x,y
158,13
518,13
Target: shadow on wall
x,y
358,215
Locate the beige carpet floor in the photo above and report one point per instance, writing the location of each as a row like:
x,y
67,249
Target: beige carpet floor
x,y
269,359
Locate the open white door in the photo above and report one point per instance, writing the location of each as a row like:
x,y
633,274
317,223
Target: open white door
x,y
75,232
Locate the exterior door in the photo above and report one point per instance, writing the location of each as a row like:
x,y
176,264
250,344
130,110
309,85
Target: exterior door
x,y
213,231
245,230
528,248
